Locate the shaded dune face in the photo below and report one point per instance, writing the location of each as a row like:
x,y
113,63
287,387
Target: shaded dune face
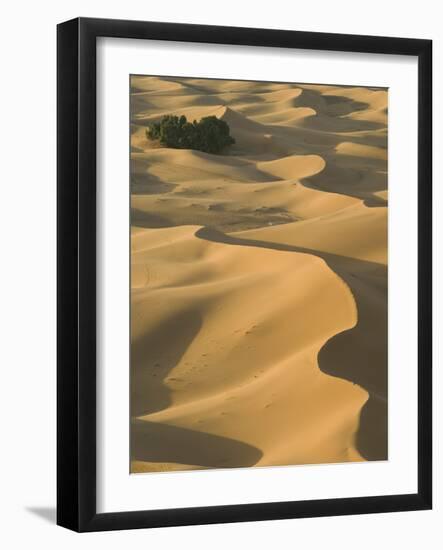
x,y
259,278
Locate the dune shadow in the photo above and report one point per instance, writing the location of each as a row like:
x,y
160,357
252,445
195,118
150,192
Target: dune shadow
x,y
153,356
343,177
329,105
148,220
352,176
340,105
153,442
149,184
338,125
332,113
144,182
359,354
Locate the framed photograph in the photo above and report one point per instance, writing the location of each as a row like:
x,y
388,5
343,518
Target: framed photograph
x,y
244,274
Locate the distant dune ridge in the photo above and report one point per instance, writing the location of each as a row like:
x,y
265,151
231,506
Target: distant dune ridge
x,y
259,278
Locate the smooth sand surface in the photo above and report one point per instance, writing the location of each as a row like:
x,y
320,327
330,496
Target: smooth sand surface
x,y
259,278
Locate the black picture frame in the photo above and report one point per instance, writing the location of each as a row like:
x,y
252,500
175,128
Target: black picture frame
x,y
76,265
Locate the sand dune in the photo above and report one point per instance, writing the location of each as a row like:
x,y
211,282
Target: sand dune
x,y
259,278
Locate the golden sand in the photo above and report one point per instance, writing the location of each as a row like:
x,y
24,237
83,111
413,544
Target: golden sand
x,y
259,278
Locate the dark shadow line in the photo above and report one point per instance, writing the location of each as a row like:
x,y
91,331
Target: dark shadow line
x,y
152,358
158,442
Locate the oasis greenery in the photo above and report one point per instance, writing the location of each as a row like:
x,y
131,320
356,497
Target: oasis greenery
x,y
210,134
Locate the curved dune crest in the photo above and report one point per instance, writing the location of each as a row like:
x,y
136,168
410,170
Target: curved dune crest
x,y
259,278
362,151
293,167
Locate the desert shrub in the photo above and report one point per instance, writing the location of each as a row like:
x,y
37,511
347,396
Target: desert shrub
x,y
210,134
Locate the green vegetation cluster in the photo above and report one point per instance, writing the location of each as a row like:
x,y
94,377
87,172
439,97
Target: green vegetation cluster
x,y
210,134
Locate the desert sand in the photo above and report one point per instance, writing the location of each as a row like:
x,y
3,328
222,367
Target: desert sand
x,y
259,278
